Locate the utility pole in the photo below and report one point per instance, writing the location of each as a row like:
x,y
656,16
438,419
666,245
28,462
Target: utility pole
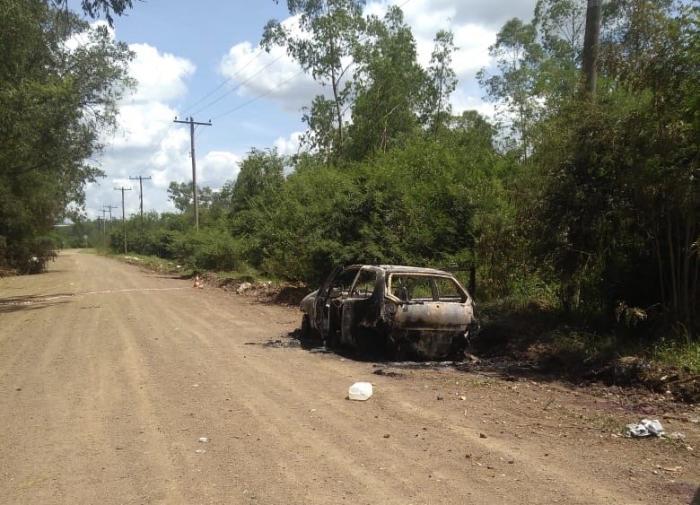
x,y
122,189
590,47
104,227
192,124
140,178
108,208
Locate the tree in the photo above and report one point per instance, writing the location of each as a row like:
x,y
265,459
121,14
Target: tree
x,y
389,85
514,88
56,102
331,30
180,193
560,26
618,214
442,82
96,8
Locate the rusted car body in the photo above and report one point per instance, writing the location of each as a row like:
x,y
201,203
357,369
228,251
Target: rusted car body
x,y
406,312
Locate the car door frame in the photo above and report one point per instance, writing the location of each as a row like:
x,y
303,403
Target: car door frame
x,y
359,311
322,304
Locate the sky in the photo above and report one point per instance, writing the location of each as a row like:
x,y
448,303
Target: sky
x,y
202,58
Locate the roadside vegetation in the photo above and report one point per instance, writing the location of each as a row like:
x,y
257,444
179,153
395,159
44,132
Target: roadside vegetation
x,y
578,215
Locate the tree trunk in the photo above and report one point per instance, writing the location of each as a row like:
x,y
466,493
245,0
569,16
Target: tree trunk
x,y
672,264
590,47
686,280
660,264
334,84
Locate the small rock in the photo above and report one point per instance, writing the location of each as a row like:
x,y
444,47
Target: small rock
x,y
200,451
386,435
243,287
511,461
462,398
203,440
482,435
439,397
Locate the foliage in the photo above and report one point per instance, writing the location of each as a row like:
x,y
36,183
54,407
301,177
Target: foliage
x,y
331,31
389,85
56,100
96,8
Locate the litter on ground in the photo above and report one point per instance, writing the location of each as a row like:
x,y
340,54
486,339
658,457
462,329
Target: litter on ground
x,y
645,428
360,391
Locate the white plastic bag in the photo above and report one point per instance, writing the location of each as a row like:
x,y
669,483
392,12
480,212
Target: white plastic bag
x,y
645,428
360,391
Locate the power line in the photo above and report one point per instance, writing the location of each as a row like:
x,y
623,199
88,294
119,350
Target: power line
x,y
225,81
237,86
256,98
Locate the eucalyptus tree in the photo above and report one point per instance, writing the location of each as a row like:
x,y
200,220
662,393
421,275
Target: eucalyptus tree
x,y
442,82
389,84
513,88
327,35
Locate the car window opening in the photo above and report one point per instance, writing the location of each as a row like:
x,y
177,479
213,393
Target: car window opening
x,y
425,288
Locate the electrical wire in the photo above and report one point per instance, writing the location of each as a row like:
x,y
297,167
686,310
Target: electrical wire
x,y
256,98
237,86
259,51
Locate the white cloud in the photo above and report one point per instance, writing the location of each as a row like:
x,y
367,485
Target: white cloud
x,y
492,13
253,71
218,167
289,145
141,125
148,143
471,36
160,76
462,100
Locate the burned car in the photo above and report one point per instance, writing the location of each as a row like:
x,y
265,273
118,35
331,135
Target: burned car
x,y
402,311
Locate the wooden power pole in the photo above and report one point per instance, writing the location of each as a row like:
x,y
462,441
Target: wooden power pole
x,y
104,227
192,124
122,189
590,47
108,208
140,178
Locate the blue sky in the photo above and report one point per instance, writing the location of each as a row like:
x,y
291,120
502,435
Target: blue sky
x,y
185,49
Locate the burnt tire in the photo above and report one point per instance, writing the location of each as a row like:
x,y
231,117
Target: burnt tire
x,y
459,345
306,327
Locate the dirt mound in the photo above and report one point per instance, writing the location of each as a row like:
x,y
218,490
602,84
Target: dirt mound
x,y
263,291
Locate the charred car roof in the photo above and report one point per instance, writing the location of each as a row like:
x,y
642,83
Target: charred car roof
x,y
390,269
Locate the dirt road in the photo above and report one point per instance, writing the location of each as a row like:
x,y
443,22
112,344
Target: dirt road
x,y
110,375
